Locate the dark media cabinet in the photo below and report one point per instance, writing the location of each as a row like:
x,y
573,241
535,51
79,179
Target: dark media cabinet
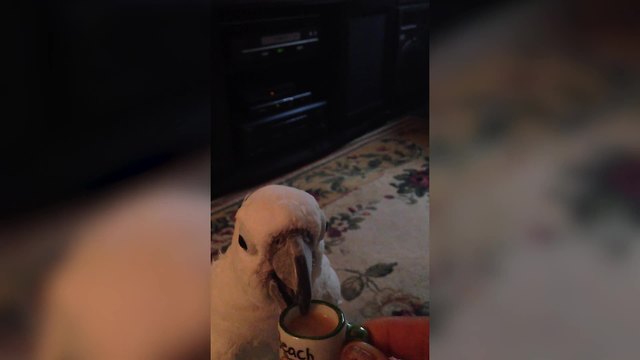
x,y
293,80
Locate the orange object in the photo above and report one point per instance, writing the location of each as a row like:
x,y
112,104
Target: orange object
x,y
404,337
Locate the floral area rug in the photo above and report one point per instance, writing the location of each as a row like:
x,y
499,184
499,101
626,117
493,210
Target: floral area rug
x,y
375,194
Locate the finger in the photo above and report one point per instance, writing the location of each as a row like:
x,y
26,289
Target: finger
x,y
358,350
404,337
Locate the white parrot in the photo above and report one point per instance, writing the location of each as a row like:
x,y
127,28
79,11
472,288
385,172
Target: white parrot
x,y
276,258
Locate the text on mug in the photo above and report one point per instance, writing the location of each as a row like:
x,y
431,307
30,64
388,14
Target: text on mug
x,y
292,353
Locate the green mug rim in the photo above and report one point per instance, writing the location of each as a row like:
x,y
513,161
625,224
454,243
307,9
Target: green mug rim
x,y
341,321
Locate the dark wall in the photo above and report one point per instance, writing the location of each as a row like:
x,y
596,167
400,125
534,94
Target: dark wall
x,y
103,90
447,15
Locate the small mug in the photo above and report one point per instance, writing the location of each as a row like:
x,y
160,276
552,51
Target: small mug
x,y
323,347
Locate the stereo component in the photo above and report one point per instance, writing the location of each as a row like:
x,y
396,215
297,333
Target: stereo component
x,y
277,83
283,131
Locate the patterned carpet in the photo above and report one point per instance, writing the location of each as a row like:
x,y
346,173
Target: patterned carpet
x,y
375,193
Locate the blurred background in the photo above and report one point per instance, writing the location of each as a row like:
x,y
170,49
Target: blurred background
x,y
534,214
104,196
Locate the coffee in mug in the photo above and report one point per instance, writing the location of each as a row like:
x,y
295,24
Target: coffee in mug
x,y
314,323
318,335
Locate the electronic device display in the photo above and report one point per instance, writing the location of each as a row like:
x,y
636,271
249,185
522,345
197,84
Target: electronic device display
x,y
265,46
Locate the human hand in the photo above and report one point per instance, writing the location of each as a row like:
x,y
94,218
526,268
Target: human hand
x,y
401,337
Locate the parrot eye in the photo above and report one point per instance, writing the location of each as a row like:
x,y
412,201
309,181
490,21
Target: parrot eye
x,y
243,244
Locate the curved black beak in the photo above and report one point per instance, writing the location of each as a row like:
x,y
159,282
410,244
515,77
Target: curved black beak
x,y
291,277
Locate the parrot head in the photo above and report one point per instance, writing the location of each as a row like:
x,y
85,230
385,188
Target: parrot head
x,y
277,244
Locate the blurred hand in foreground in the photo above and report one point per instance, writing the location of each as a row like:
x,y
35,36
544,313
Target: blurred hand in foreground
x,y
405,338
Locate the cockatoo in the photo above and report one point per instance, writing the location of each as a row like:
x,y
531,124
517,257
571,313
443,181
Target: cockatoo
x,y
276,258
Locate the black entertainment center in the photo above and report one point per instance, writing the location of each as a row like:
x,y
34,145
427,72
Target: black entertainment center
x,y
293,80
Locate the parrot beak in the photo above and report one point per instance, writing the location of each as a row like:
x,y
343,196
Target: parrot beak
x,y
290,281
